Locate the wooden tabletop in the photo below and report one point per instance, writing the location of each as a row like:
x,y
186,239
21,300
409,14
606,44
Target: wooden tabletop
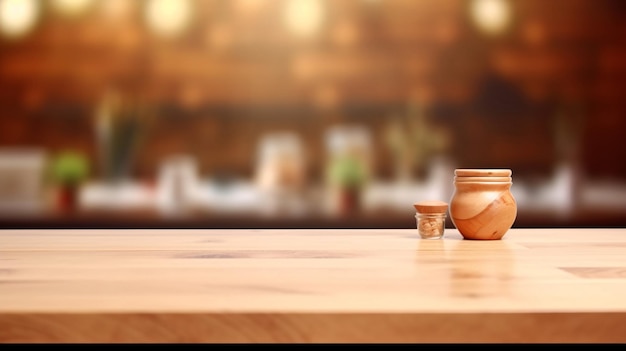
x,y
365,285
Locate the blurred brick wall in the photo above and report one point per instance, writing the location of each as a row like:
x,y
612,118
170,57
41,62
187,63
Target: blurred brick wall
x,y
234,77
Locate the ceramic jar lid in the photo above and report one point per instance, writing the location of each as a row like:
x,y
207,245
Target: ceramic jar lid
x,y
433,206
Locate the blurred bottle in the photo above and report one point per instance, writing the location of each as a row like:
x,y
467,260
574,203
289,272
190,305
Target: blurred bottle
x,y
281,172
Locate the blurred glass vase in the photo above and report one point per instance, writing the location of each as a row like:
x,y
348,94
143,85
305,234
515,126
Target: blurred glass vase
x,y
119,127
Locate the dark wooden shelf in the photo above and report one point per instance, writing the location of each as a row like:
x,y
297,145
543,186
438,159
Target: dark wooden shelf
x,y
378,220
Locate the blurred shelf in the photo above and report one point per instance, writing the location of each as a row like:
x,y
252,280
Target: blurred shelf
x,y
375,220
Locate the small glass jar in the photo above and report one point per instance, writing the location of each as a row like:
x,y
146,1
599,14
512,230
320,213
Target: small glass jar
x,y
431,219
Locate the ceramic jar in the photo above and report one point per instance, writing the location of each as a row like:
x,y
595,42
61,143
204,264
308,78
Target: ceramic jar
x,y
482,206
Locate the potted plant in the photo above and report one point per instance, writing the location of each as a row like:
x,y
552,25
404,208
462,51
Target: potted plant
x,y
68,170
348,174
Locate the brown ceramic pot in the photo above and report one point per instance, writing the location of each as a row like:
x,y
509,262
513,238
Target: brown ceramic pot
x,y
482,206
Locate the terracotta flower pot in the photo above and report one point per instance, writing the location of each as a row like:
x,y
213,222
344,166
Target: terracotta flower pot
x,y
67,198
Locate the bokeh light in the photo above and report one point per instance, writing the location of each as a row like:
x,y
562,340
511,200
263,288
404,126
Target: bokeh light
x,y
304,17
168,18
18,17
491,16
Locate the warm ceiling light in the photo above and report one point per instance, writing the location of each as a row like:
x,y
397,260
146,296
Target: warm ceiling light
x,y
18,17
168,18
491,16
71,7
303,17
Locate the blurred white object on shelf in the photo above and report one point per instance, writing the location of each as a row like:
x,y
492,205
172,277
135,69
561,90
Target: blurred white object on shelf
x,y
22,180
118,196
177,184
281,173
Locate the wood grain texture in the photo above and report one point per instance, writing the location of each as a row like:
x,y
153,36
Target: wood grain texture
x,y
482,205
534,285
493,217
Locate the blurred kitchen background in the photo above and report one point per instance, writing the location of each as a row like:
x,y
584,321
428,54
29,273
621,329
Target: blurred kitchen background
x,y
307,113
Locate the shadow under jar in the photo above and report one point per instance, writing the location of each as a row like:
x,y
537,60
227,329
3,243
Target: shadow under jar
x,y
482,206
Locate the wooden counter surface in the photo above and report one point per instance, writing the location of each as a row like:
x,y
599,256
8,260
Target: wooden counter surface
x,y
365,285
